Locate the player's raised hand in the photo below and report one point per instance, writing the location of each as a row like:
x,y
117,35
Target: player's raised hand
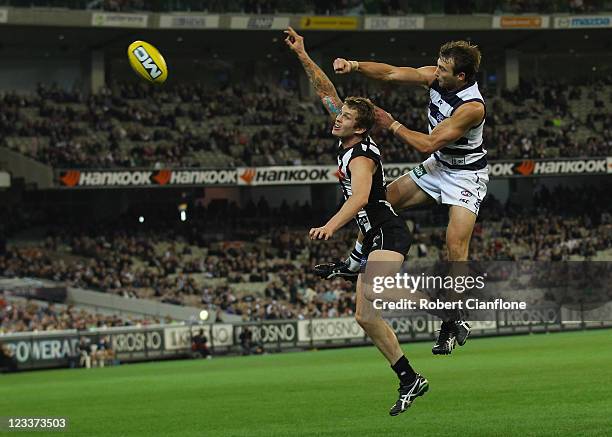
x,y
322,233
383,119
342,66
294,41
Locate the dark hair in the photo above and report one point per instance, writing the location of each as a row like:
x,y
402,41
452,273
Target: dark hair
x,y
365,112
465,56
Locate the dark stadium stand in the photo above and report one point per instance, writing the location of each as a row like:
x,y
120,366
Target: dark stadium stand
x,y
383,7
198,125
244,268
20,316
172,196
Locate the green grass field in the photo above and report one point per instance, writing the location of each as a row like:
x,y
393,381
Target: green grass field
x,y
537,385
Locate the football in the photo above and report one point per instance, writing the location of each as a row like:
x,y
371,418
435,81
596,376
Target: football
x,y
147,62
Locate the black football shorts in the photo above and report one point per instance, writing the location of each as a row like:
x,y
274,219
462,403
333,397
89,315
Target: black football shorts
x,y
390,235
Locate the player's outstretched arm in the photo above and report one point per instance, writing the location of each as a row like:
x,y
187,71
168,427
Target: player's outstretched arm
x,y
447,132
319,80
422,76
361,169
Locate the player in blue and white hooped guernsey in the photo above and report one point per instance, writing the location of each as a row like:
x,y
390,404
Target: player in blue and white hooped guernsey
x,y
456,173
386,237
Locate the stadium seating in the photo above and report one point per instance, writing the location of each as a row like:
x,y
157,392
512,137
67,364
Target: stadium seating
x,y
193,125
382,7
17,315
260,271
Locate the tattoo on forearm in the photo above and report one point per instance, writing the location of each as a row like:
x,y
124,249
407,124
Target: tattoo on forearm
x,y
331,106
321,84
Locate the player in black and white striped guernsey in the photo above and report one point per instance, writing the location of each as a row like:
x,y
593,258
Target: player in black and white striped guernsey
x,y
387,238
377,210
456,173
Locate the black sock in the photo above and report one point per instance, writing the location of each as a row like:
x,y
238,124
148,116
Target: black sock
x,y
404,372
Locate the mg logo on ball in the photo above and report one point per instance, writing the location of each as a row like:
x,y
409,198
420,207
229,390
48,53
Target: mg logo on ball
x,y
147,62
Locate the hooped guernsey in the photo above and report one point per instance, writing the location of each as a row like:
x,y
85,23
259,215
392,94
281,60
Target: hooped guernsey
x,y
467,153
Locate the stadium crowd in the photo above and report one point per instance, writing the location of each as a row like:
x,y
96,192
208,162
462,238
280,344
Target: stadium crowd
x,y
338,7
259,271
195,125
22,315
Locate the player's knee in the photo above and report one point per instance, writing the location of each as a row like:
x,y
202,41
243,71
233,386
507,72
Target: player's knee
x,y
370,295
364,321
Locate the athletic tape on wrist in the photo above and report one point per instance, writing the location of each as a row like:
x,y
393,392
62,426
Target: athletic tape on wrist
x,y
395,126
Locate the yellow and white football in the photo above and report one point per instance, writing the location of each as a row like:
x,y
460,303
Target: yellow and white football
x,y
147,62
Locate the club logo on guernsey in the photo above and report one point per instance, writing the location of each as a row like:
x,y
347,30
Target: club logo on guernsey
x,y
147,62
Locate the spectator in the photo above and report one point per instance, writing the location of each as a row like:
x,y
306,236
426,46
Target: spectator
x,y
85,352
199,345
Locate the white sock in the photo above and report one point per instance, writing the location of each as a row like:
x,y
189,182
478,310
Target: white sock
x,y
354,259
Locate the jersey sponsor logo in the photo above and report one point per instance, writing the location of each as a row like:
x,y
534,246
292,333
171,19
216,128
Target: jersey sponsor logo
x,y
419,171
457,160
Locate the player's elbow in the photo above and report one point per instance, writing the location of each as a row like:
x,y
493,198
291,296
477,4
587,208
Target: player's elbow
x,y
392,75
360,200
433,145
428,148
